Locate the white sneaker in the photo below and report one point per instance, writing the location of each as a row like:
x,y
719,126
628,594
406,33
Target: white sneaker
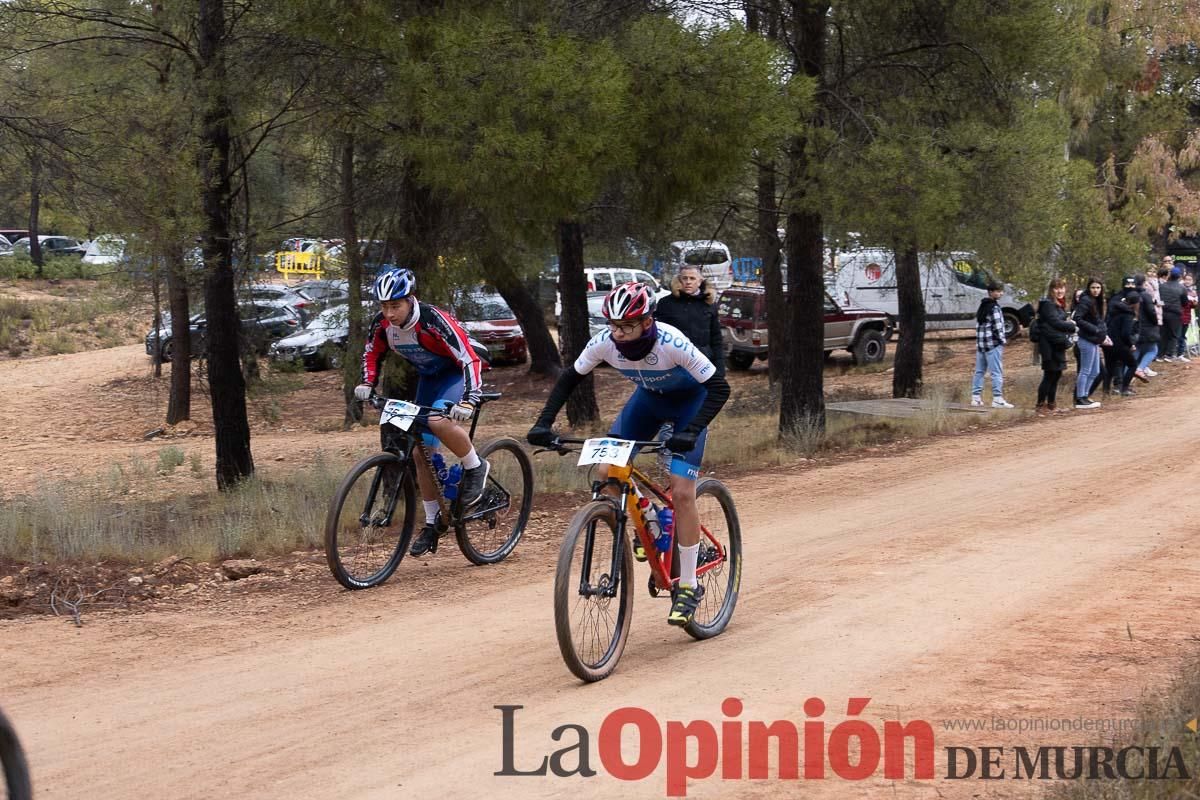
x,y
1000,402
1086,403
1150,372
976,400
1184,359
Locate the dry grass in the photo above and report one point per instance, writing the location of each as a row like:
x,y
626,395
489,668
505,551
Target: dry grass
x,y
69,522
1163,720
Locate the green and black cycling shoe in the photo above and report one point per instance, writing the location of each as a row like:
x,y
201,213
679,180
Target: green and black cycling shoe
x,y
684,601
425,542
639,552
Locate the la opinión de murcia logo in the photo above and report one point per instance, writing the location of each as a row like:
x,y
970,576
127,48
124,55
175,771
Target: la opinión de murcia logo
x,y
853,749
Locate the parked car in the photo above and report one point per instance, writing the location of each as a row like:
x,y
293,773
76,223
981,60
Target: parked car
x,y
275,295
952,285
601,280
489,320
324,292
262,323
712,257
52,245
6,247
742,312
105,249
322,342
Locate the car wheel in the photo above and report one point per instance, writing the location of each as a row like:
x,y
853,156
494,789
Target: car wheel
x,y
167,349
334,360
1012,326
870,348
741,360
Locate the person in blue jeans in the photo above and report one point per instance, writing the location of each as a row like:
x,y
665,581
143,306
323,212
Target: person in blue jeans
x,y
1093,334
989,348
1149,332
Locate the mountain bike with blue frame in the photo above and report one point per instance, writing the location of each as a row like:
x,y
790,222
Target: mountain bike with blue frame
x,y
373,512
594,582
17,783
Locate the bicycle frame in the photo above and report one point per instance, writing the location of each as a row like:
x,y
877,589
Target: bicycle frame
x,y
627,510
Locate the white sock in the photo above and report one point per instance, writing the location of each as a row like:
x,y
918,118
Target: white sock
x,y
687,565
431,510
471,460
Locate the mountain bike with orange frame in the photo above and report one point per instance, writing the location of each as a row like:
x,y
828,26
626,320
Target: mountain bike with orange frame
x,y
594,584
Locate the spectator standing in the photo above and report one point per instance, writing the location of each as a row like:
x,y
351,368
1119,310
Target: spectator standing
x,y
1055,330
1148,328
989,348
1088,316
1122,327
692,308
1189,318
1174,297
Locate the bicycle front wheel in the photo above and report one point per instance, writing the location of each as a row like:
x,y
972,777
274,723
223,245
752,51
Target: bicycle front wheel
x,y
370,521
719,560
593,593
489,530
16,770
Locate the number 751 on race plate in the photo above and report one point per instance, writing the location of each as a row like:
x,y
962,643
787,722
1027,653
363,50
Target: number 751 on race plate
x,y
606,451
399,413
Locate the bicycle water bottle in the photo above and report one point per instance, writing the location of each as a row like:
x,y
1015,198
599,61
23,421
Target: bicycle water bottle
x,y
666,518
650,513
439,466
450,488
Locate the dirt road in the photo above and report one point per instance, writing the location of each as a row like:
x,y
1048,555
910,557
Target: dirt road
x,y
980,576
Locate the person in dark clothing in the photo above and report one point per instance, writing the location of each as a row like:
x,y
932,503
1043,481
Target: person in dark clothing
x,y
1088,316
1174,295
692,308
1122,330
1148,329
1054,340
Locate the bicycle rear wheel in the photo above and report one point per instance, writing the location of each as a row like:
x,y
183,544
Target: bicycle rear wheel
x,y
593,593
370,521
490,529
16,771
719,531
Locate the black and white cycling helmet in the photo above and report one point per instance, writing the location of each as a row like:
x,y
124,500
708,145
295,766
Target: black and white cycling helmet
x,y
394,283
629,301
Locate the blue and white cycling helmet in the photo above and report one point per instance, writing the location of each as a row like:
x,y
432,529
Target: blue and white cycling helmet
x,y
393,283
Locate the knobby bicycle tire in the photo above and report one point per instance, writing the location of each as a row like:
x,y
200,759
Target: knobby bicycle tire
x,y
497,505
728,577
596,524
16,768
338,530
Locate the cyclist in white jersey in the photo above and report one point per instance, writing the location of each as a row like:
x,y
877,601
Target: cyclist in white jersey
x,y
675,383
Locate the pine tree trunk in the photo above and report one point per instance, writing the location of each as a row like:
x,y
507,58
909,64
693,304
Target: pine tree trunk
x,y
802,402
573,327
179,402
543,355
234,462
352,360
772,275
906,376
35,207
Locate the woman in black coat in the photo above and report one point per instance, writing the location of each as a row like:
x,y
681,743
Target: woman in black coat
x,y
1122,330
1054,332
692,308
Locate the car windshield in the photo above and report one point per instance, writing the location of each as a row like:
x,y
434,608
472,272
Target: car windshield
x,y
705,255
480,310
736,306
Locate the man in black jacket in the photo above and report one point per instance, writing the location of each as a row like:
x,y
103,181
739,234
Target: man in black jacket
x,y
691,307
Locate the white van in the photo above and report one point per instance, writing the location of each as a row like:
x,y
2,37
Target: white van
x,y
711,256
602,280
953,285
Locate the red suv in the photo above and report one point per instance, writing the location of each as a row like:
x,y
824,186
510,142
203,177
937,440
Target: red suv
x,y
742,310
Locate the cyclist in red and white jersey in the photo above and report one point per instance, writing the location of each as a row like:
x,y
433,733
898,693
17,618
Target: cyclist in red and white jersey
x,y
450,373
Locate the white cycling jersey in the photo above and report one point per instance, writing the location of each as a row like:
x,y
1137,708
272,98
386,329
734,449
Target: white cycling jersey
x,y
672,365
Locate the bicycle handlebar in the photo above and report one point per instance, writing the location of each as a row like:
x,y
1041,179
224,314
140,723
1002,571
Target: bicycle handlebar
x,y
559,445
379,401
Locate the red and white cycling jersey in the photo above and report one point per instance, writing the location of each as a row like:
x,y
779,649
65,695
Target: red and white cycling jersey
x,y
432,341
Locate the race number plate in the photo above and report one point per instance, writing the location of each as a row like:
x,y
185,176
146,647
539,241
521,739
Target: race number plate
x,y
399,413
606,451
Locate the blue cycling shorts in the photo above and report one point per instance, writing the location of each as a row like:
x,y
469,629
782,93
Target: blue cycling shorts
x,y
646,411
445,386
